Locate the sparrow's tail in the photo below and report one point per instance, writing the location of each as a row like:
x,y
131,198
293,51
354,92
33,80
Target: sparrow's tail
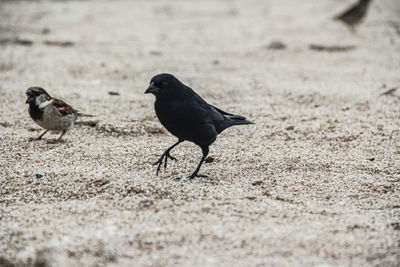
x,y
80,114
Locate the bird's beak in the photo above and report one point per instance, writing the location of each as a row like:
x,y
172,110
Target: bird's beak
x,y
28,99
152,89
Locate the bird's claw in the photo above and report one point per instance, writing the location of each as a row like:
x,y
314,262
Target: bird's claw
x,y
171,157
165,156
35,138
159,161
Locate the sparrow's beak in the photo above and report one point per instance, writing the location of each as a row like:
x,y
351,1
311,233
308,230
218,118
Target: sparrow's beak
x,y
29,98
152,89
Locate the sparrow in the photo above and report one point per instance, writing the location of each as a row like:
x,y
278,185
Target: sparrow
x,y
354,15
50,113
188,117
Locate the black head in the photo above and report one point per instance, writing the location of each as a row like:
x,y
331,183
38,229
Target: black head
x,y
33,92
163,84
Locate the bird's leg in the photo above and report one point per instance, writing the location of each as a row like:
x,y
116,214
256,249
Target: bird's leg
x,y
195,173
39,137
166,155
62,134
58,139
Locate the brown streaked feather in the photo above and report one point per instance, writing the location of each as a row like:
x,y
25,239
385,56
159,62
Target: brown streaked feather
x,y
63,107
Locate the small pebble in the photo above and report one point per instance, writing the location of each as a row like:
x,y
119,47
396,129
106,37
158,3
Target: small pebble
x,y
209,159
276,45
257,183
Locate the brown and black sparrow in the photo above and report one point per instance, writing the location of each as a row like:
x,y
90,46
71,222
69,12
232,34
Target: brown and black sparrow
x,y
354,15
50,113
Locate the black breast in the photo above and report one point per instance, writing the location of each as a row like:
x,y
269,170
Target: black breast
x,y
35,112
169,118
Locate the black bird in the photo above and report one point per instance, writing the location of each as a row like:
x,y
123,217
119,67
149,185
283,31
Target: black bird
x,y
188,116
354,14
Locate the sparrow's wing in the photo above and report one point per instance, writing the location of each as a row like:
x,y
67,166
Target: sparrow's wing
x,y
63,107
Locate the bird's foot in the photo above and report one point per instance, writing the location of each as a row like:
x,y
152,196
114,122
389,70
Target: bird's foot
x,y
34,139
165,156
197,175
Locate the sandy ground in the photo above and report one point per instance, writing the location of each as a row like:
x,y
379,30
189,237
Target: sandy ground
x,y
315,182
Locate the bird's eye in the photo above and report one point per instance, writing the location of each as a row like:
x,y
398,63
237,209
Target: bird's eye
x,y
161,84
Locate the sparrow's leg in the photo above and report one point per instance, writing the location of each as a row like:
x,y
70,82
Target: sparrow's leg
x,y
39,137
58,139
166,155
196,172
62,134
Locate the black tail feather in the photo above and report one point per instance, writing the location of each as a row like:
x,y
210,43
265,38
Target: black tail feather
x,y
238,120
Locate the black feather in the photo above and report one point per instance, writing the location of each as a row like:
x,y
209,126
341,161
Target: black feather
x,y
188,116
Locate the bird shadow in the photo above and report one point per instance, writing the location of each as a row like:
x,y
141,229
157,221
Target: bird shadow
x,y
47,141
177,179
205,180
56,141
